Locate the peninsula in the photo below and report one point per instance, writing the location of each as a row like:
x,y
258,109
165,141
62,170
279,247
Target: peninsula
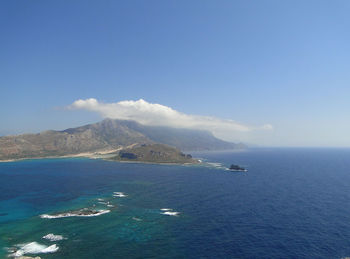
x,y
108,137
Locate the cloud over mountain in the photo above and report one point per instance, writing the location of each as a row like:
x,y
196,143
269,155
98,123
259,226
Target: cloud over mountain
x,y
160,115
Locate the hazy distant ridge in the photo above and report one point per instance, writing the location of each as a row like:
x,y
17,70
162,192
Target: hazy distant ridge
x,y
183,139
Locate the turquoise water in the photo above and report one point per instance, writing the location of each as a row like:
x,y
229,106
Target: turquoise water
x,y
292,203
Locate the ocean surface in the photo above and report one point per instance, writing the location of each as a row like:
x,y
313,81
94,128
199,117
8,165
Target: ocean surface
x,y
292,203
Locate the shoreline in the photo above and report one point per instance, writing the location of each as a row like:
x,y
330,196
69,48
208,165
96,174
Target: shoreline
x,y
151,163
91,155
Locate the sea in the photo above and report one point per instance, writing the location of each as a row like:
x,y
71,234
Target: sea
x,y
292,203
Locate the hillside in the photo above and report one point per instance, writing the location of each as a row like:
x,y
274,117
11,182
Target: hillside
x,y
154,153
105,135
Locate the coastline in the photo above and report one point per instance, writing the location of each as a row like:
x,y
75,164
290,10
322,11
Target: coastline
x,y
91,155
104,155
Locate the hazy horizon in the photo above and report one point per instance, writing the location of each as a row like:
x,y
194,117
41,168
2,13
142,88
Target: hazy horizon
x,y
267,73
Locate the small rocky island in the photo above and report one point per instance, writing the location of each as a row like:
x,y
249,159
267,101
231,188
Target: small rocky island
x,y
154,153
85,212
237,168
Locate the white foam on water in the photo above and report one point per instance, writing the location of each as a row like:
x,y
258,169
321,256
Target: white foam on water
x,y
110,205
10,249
171,213
34,248
63,215
99,199
119,194
102,202
165,209
69,214
137,219
53,237
214,164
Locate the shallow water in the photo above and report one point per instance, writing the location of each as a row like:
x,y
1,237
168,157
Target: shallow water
x,y
292,203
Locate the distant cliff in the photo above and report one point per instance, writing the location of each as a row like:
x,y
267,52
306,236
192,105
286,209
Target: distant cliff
x,y
106,135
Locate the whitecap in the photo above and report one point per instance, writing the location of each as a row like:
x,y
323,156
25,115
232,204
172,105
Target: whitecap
x,y
171,213
63,215
102,202
99,199
34,248
165,209
119,194
110,205
137,219
53,237
214,164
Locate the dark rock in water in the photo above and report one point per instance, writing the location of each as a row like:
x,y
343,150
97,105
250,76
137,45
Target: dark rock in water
x,y
87,212
237,168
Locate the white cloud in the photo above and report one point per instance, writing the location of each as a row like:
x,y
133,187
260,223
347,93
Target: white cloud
x,y
160,115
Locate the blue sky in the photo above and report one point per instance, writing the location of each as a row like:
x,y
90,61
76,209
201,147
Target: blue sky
x,y
284,63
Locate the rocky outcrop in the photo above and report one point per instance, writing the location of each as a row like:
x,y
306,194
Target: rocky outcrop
x,y
154,153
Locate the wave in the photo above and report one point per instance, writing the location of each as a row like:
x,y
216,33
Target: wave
x,y
171,213
107,203
53,237
216,165
137,219
33,248
79,213
119,194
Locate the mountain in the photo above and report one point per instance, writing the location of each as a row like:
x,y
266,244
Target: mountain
x,y
106,135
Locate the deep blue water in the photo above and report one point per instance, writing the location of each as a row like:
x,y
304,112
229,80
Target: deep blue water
x,y
292,203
